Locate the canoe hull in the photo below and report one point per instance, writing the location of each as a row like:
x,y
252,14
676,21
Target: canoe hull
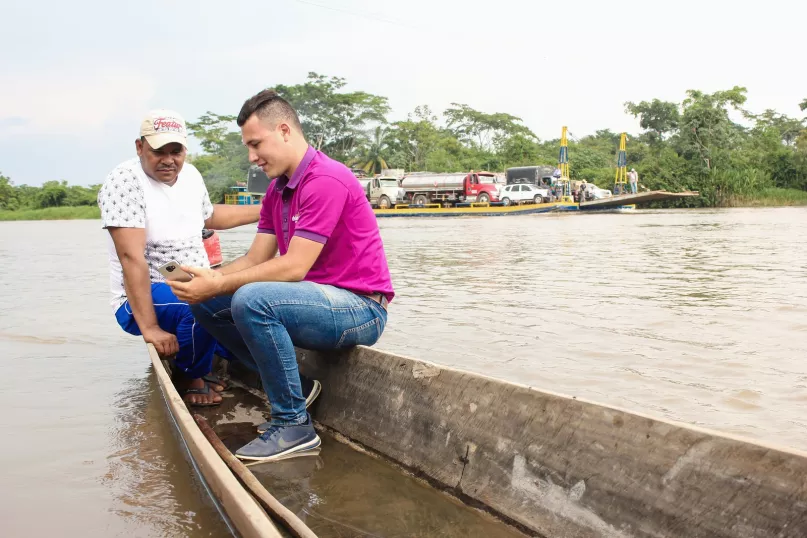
x,y
556,465
240,511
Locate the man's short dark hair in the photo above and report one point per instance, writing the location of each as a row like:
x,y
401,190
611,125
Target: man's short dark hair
x,y
270,106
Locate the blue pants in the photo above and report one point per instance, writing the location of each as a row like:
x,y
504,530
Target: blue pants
x,y
633,188
262,323
196,346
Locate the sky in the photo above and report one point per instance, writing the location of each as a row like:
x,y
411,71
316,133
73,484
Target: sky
x,y
77,77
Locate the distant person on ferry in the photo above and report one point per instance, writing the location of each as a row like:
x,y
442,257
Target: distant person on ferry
x,y
633,180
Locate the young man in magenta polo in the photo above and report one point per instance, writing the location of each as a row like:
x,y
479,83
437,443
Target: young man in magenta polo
x,y
328,289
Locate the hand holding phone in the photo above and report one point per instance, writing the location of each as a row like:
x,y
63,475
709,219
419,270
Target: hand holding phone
x,y
172,271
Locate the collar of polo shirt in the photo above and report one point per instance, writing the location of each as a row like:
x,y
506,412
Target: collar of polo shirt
x,y
285,183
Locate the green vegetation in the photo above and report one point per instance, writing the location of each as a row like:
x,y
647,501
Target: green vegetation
x,y
771,197
371,157
708,142
692,145
53,200
52,213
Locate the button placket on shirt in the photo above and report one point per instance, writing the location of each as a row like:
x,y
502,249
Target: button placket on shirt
x,y
285,209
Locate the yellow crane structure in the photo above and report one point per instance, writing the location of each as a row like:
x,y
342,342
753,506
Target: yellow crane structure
x,y
621,179
563,182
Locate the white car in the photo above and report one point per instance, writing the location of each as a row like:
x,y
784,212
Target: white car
x,y
523,192
593,192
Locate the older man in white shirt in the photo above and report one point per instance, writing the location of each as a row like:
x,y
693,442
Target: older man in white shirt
x,y
154,207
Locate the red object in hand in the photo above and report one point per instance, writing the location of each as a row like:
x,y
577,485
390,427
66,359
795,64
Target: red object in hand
x,y
210,239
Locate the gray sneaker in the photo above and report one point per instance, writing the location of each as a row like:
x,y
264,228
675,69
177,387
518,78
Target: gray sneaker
x,y
311,389
281,442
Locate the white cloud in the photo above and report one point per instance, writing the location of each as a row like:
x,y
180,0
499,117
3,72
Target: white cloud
x,y
74,101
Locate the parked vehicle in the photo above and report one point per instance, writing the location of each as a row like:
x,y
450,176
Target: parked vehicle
x,y
593,192
257,180
513,194
397,173
383,192
430,188
535,175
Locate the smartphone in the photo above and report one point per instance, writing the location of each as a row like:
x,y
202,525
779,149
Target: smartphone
x,y
171,271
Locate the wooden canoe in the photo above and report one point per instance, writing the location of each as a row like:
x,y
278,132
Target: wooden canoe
x,y
553,465
238,508
549,465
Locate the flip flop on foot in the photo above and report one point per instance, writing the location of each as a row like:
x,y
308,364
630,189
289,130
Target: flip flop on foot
x,y
215,382
200,396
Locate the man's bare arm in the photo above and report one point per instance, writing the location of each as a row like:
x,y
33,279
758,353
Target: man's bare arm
x,y
130,244
227,216
264,248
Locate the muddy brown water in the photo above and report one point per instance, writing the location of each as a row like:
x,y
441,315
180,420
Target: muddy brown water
x,y
696,316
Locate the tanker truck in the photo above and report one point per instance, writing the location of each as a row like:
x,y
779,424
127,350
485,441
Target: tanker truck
x,y
449,189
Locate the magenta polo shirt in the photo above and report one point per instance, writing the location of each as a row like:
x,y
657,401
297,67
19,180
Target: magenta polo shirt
x,y
325,203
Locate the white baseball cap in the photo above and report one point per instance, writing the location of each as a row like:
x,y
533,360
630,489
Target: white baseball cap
x,y
161,127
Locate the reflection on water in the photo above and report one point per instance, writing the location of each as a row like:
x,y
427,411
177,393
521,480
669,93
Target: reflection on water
x,y
698,316
154,486
88,451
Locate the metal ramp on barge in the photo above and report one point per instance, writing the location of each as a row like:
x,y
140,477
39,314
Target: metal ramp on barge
x,y
632,199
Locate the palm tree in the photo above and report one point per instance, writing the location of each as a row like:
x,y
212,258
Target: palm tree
x,y
371,160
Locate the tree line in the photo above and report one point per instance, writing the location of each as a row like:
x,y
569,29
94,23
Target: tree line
x,y
708,142
50,194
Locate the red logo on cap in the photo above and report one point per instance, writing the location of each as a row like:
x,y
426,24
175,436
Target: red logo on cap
x,y
167,124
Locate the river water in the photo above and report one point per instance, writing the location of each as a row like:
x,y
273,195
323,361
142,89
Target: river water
x,y
696,316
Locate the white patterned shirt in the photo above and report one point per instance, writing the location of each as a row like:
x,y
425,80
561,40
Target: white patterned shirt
x,y
173,218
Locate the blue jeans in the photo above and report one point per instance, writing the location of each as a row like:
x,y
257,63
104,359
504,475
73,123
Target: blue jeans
x,y
263,321
633,188
196,346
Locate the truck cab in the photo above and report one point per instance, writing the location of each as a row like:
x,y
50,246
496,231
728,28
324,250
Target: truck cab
x,y
482,187
384,192
535,175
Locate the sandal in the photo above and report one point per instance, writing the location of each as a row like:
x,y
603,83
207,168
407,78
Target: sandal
x,y
205,391
215,380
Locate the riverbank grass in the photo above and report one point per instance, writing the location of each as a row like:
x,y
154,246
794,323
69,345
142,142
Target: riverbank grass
x,y
772,197
53,213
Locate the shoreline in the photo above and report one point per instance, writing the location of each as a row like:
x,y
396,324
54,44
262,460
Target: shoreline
x,y
773,200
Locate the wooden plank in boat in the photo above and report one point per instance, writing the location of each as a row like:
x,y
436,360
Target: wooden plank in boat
x,y
248,518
